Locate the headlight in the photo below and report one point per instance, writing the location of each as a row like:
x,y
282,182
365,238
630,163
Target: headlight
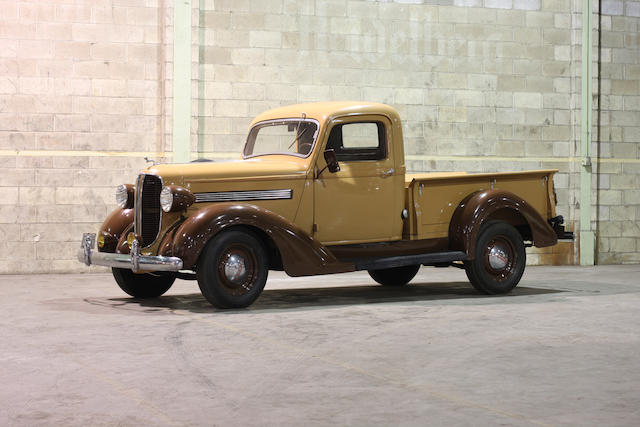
x,y
166,199
124,196
174,198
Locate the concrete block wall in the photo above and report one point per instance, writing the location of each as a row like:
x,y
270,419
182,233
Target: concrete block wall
x,y
617,134
482,85
81,103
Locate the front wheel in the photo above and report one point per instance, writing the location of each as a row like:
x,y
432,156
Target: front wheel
x,y
396,276
232,269
499,260
142,285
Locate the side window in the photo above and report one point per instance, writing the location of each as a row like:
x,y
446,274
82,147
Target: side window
x,y
358,141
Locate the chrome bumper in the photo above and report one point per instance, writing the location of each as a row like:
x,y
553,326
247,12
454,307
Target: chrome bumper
x,y
133,261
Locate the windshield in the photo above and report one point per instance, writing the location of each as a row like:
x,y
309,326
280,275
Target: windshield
x,y
287,136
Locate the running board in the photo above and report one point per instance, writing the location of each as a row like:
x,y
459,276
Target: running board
x,y
401,261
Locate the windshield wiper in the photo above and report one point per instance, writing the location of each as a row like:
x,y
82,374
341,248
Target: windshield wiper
x,y
298,135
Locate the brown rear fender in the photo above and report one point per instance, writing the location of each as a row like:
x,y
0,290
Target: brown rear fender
x,y
478,208
113,227
301,254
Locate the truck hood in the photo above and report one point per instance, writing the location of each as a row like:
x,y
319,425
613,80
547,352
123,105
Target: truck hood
x,y
272,166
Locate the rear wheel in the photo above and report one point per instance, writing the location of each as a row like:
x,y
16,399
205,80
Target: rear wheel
x,y
499,260
396,276
232,269
142,285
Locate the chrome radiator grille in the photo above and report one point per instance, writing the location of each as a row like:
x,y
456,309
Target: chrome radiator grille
x,y
147,205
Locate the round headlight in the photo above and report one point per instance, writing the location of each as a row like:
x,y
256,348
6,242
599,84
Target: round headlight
x,y
122,196
166,199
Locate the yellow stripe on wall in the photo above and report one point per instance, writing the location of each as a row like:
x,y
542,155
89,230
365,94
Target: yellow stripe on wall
x,y
234,155
79,153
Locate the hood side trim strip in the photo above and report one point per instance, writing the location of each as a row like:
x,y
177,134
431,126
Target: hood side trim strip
x,y
228,196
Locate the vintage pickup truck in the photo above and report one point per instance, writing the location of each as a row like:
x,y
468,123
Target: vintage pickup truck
x,y
321,188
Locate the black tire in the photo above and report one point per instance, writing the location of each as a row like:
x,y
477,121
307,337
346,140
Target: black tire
x,y
142,285
237,284
396,276
499,259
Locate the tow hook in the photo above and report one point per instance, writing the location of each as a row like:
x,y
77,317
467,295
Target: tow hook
x,y
557,223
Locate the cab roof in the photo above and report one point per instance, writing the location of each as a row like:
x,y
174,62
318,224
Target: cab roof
x,y
323,111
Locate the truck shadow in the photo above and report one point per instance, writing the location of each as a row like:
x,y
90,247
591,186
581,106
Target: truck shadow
x,y
315,298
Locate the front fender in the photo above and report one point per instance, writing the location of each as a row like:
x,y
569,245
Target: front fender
x,y
113,227
479,207
301,254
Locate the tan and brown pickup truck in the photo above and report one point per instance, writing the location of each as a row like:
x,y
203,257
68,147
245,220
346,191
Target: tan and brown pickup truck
x,y
321,188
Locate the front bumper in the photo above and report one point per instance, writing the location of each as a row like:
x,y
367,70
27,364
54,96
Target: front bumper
x,y
133,261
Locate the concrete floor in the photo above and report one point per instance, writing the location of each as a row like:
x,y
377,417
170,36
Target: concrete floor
x,y
562,349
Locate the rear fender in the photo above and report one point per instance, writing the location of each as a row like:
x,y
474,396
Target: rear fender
x,y
301,254
478,208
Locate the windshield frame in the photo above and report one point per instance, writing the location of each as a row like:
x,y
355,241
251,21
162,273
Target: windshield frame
x,y
281,153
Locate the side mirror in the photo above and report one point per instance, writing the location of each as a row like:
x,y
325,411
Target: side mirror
x,y
332,160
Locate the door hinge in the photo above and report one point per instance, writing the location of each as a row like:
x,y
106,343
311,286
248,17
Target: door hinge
x,y
315,228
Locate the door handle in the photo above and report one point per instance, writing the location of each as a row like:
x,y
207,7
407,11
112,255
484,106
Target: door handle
x,y
387,173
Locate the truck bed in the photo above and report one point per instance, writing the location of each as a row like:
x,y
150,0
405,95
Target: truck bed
x,y
432,198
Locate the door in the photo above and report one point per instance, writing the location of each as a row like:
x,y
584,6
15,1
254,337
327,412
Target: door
x,y
357,204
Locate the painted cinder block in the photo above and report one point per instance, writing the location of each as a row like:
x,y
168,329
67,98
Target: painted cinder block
x,y
527,100
142,16
499,4
613,7
15,214
35,196
452,114
72,13
529,4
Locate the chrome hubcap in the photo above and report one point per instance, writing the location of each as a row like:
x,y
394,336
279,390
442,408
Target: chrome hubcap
x,y
498,257
235,269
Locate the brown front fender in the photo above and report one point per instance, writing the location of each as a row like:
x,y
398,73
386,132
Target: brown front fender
x,y
113,227
301,254
484,206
